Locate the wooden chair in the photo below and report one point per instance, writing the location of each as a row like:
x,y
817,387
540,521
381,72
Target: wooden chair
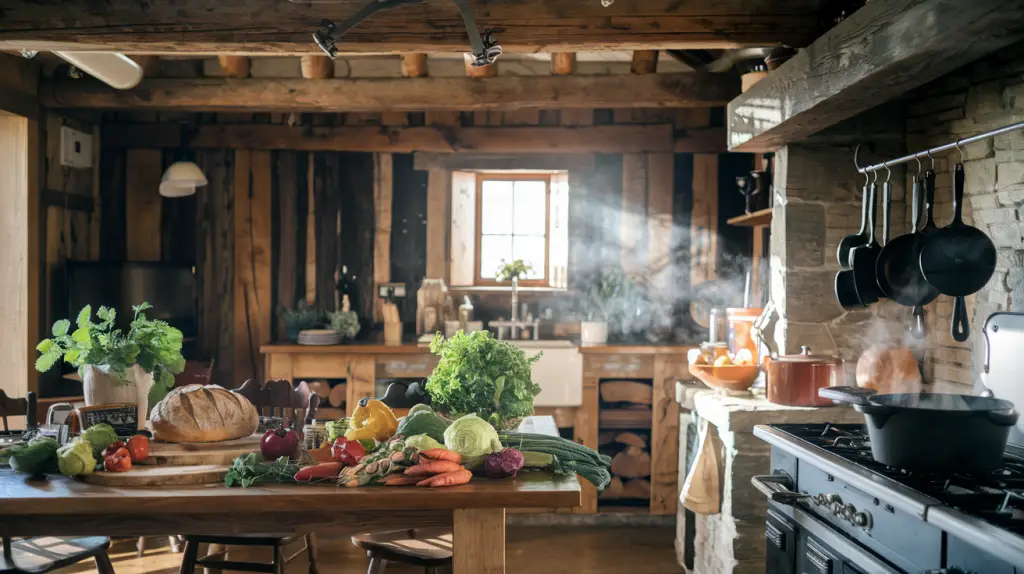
x,y
45,553
279,399
429,548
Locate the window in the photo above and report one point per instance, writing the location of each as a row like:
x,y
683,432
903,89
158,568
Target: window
x,y
513,223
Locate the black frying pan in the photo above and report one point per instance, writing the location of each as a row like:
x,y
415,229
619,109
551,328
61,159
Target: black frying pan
x,y
880,279
958,259
846,279
847,243
863,258
899,273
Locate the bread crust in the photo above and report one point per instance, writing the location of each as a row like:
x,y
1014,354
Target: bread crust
x,y
203,413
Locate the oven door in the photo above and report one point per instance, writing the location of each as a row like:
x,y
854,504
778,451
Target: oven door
x,y
800,543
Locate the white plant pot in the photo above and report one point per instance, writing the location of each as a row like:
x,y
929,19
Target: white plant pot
x,y
101,388
593,332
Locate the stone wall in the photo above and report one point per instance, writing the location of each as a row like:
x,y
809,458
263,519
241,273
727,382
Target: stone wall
x,y
982,96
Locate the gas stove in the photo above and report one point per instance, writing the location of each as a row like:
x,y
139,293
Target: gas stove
x,y
845,512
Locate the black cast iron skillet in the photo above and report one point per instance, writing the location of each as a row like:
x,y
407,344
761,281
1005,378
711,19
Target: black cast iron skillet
x,y
863,258
899,273
846,279
880,279
958,260
847,243
932,432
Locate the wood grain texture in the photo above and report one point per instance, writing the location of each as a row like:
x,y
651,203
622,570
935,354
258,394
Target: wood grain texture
x,y
438,201
317,67
382,200
113,195
161,476
660,193
414,65
585,432
479,541
633,214
235,66
19,79
143,169
290,249
526,139
867,60
362,376
326,209
253,257
399,94
215,264
462,264
151,67
704,219
409,230
632,462
644,62
626,391
563,63
357,230
177,220
665,434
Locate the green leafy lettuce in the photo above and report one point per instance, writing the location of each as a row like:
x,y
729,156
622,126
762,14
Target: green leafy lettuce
x,y
480,374
152,344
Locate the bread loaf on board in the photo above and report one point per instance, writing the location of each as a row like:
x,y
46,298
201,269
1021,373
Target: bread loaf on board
x,y
198,413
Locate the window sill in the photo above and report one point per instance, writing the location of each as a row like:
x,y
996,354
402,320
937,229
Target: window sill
x,y
504,289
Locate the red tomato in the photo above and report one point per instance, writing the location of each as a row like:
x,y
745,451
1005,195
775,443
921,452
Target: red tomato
x,y
119,461
138,447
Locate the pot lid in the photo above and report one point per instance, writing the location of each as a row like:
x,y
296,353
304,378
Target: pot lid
x,y
805,356
942,402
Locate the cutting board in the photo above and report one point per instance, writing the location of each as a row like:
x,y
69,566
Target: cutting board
x,y
191,454
160,476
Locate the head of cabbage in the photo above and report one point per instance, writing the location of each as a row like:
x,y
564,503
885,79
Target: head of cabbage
x,y
471,436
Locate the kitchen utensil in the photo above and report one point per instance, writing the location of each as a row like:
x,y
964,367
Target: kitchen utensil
x,y
880,279
889,369
931,431
140,476
1004,363
847,285
195,454
958,260
929,226
847,243
795,379
899,274
863,258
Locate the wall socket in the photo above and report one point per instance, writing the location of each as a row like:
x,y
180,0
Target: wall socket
x,y
75,148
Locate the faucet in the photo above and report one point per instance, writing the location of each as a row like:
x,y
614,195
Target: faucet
x,y
515,323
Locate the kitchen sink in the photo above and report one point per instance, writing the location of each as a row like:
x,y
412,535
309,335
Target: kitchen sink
x,y
559,372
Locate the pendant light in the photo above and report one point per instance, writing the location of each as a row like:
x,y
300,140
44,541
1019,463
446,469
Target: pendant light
x,y
116,70
181,179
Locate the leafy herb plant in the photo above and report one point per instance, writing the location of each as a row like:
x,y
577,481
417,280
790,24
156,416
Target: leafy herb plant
x,y
250,469
480,374
303,316
152,344
517,269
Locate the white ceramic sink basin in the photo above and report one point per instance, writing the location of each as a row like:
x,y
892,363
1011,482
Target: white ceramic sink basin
x,y
559,372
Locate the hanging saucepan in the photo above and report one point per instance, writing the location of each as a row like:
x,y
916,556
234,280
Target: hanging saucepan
x,y
863,258
958,260
846,280
897,268
846,244
930,431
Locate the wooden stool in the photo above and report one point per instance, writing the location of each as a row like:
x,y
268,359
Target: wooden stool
x,y
217,561
430,548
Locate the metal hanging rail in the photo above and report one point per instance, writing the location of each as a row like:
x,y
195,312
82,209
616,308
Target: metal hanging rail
x,y
928,152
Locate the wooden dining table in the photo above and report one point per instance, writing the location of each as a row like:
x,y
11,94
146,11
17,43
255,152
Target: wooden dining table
x,y
57,506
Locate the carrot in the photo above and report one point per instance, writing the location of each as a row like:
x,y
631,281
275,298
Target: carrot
x,y
432,467
441,454
454,478
400,480
317,471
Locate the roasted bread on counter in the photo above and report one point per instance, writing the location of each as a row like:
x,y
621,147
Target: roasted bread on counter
x,y
198,413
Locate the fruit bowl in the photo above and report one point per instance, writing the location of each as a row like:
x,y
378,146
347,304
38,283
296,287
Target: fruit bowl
x,y
729,378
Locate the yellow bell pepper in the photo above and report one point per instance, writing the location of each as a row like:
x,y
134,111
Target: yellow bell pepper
x,y
372,419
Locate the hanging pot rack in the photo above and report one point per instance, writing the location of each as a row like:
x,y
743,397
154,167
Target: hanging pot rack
x,y
946,147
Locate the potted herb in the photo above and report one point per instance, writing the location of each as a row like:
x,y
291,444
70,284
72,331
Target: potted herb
x,y
344,322
300,318
117,367
512,271
478,374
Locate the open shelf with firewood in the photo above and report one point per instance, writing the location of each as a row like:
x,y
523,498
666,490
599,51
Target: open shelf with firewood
x,y
624,421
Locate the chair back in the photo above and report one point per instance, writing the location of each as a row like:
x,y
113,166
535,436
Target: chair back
x,y
282,399
195,373
25,407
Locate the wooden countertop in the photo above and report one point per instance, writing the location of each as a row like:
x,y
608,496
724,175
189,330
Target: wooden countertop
x,y
414,349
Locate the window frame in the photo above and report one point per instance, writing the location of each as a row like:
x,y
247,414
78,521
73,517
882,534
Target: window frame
x,y
481,177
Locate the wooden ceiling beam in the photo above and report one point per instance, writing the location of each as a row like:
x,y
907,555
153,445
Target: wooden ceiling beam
x,y
275,27
414,65
317,67
823,85
151,67
563,63
472,71
237,67
399,94
440,139
644,62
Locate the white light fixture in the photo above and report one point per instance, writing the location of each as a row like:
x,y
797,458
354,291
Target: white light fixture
x,y
181,179
117,70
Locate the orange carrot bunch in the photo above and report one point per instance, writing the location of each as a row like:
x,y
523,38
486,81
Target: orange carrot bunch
x,y
434,467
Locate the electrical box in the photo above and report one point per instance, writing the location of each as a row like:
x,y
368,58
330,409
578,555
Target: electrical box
x,y
75,148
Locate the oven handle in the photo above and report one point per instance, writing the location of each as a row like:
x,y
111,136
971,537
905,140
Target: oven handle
x,y
838,543
778,488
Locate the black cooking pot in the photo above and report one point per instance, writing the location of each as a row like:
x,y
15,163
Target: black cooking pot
x,y
932,431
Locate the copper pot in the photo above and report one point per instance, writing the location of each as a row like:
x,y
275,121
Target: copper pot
x,y
794,380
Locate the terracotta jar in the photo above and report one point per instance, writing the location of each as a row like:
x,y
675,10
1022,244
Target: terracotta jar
x,y
794,380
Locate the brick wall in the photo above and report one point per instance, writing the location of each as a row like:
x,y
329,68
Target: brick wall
x,y
982,96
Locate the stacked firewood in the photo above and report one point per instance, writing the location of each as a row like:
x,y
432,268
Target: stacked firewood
x,y
625,422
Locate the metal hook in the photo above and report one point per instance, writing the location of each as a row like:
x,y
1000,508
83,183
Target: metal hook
x,y
874,179
959,149
888,175
918,159
856,162
929,152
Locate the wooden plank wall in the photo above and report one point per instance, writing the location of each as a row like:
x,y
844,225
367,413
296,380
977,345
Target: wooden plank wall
x,y
276,227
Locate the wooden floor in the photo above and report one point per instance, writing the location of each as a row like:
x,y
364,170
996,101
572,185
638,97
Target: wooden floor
x,y
530,550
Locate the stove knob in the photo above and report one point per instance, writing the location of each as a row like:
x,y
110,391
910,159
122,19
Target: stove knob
x,y
833,498
819,499
861,519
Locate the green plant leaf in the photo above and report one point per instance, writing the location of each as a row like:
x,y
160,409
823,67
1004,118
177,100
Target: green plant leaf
x,y
83,317
72,356
44,346
60,328
81,335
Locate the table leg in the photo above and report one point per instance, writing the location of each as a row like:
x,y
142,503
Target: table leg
x,y
479,543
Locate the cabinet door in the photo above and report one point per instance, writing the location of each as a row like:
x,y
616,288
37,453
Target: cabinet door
x,y
361,378
780,545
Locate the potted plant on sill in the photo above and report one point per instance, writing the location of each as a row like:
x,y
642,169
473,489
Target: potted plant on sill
x,y
117,367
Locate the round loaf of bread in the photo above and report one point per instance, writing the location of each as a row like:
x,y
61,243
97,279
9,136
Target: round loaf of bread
x,y
203,413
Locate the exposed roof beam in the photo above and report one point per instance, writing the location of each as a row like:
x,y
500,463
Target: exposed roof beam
x,y
235,66
488,71
275,26
866,60
399,94
563,63
414,65
317,67
151,67
644,62
442,139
